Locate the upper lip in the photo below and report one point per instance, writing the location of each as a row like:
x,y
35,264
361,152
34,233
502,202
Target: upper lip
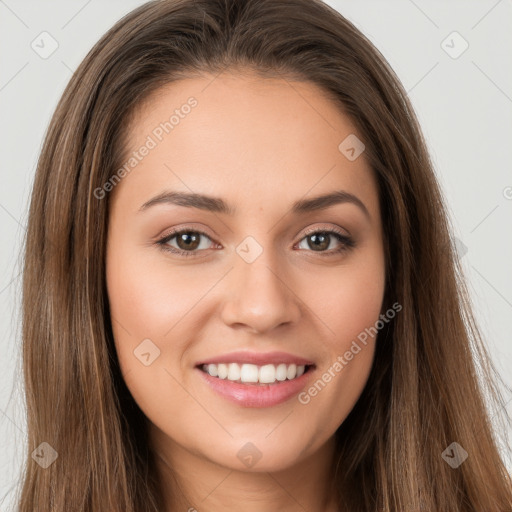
x,y
257,358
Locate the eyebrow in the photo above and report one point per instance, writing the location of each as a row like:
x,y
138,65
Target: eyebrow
x,y
218,205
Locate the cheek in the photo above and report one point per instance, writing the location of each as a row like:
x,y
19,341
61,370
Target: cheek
x,y
147,300
148,305
349,304
348,299
352,306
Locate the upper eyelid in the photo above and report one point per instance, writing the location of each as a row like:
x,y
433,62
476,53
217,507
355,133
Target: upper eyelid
x,y
172,233
169,236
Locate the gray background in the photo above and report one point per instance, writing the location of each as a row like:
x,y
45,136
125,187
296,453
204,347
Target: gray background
x,y
464,105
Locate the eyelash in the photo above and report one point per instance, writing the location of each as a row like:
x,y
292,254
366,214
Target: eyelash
x,y
346,242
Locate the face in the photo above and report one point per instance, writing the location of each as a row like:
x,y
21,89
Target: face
x,y
236,315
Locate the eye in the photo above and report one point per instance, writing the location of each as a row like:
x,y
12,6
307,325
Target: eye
x,y
187,242
320,240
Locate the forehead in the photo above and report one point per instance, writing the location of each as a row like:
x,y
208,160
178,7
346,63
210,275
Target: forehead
x,y
245,137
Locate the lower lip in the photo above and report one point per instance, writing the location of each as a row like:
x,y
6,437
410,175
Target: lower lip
x,y
255,395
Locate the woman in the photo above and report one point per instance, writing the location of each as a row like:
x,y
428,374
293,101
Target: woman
x,y
239,283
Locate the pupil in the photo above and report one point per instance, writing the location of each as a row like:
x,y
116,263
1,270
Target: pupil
x,y
321,239
189,240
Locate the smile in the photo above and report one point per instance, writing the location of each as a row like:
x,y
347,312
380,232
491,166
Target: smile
x,y
251,379
254,374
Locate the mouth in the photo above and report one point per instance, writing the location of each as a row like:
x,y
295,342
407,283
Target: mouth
x,y
256,380
252,374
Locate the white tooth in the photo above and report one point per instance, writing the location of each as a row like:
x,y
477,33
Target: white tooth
x,y
267,374
281,372
233,371
249,373
291,371
212,370
252,373
222,371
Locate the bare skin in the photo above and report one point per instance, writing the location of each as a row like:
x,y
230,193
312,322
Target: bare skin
x,y
260,145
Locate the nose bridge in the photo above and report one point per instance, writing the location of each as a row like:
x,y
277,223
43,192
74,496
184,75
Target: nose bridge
x,y
260,296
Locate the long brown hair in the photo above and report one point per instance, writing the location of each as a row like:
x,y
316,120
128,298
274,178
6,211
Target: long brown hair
x,y
431,378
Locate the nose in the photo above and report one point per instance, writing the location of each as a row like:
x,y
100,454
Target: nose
x,y
260,296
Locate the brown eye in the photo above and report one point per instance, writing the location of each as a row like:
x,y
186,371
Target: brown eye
x,y
188,240
320,241
185,242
